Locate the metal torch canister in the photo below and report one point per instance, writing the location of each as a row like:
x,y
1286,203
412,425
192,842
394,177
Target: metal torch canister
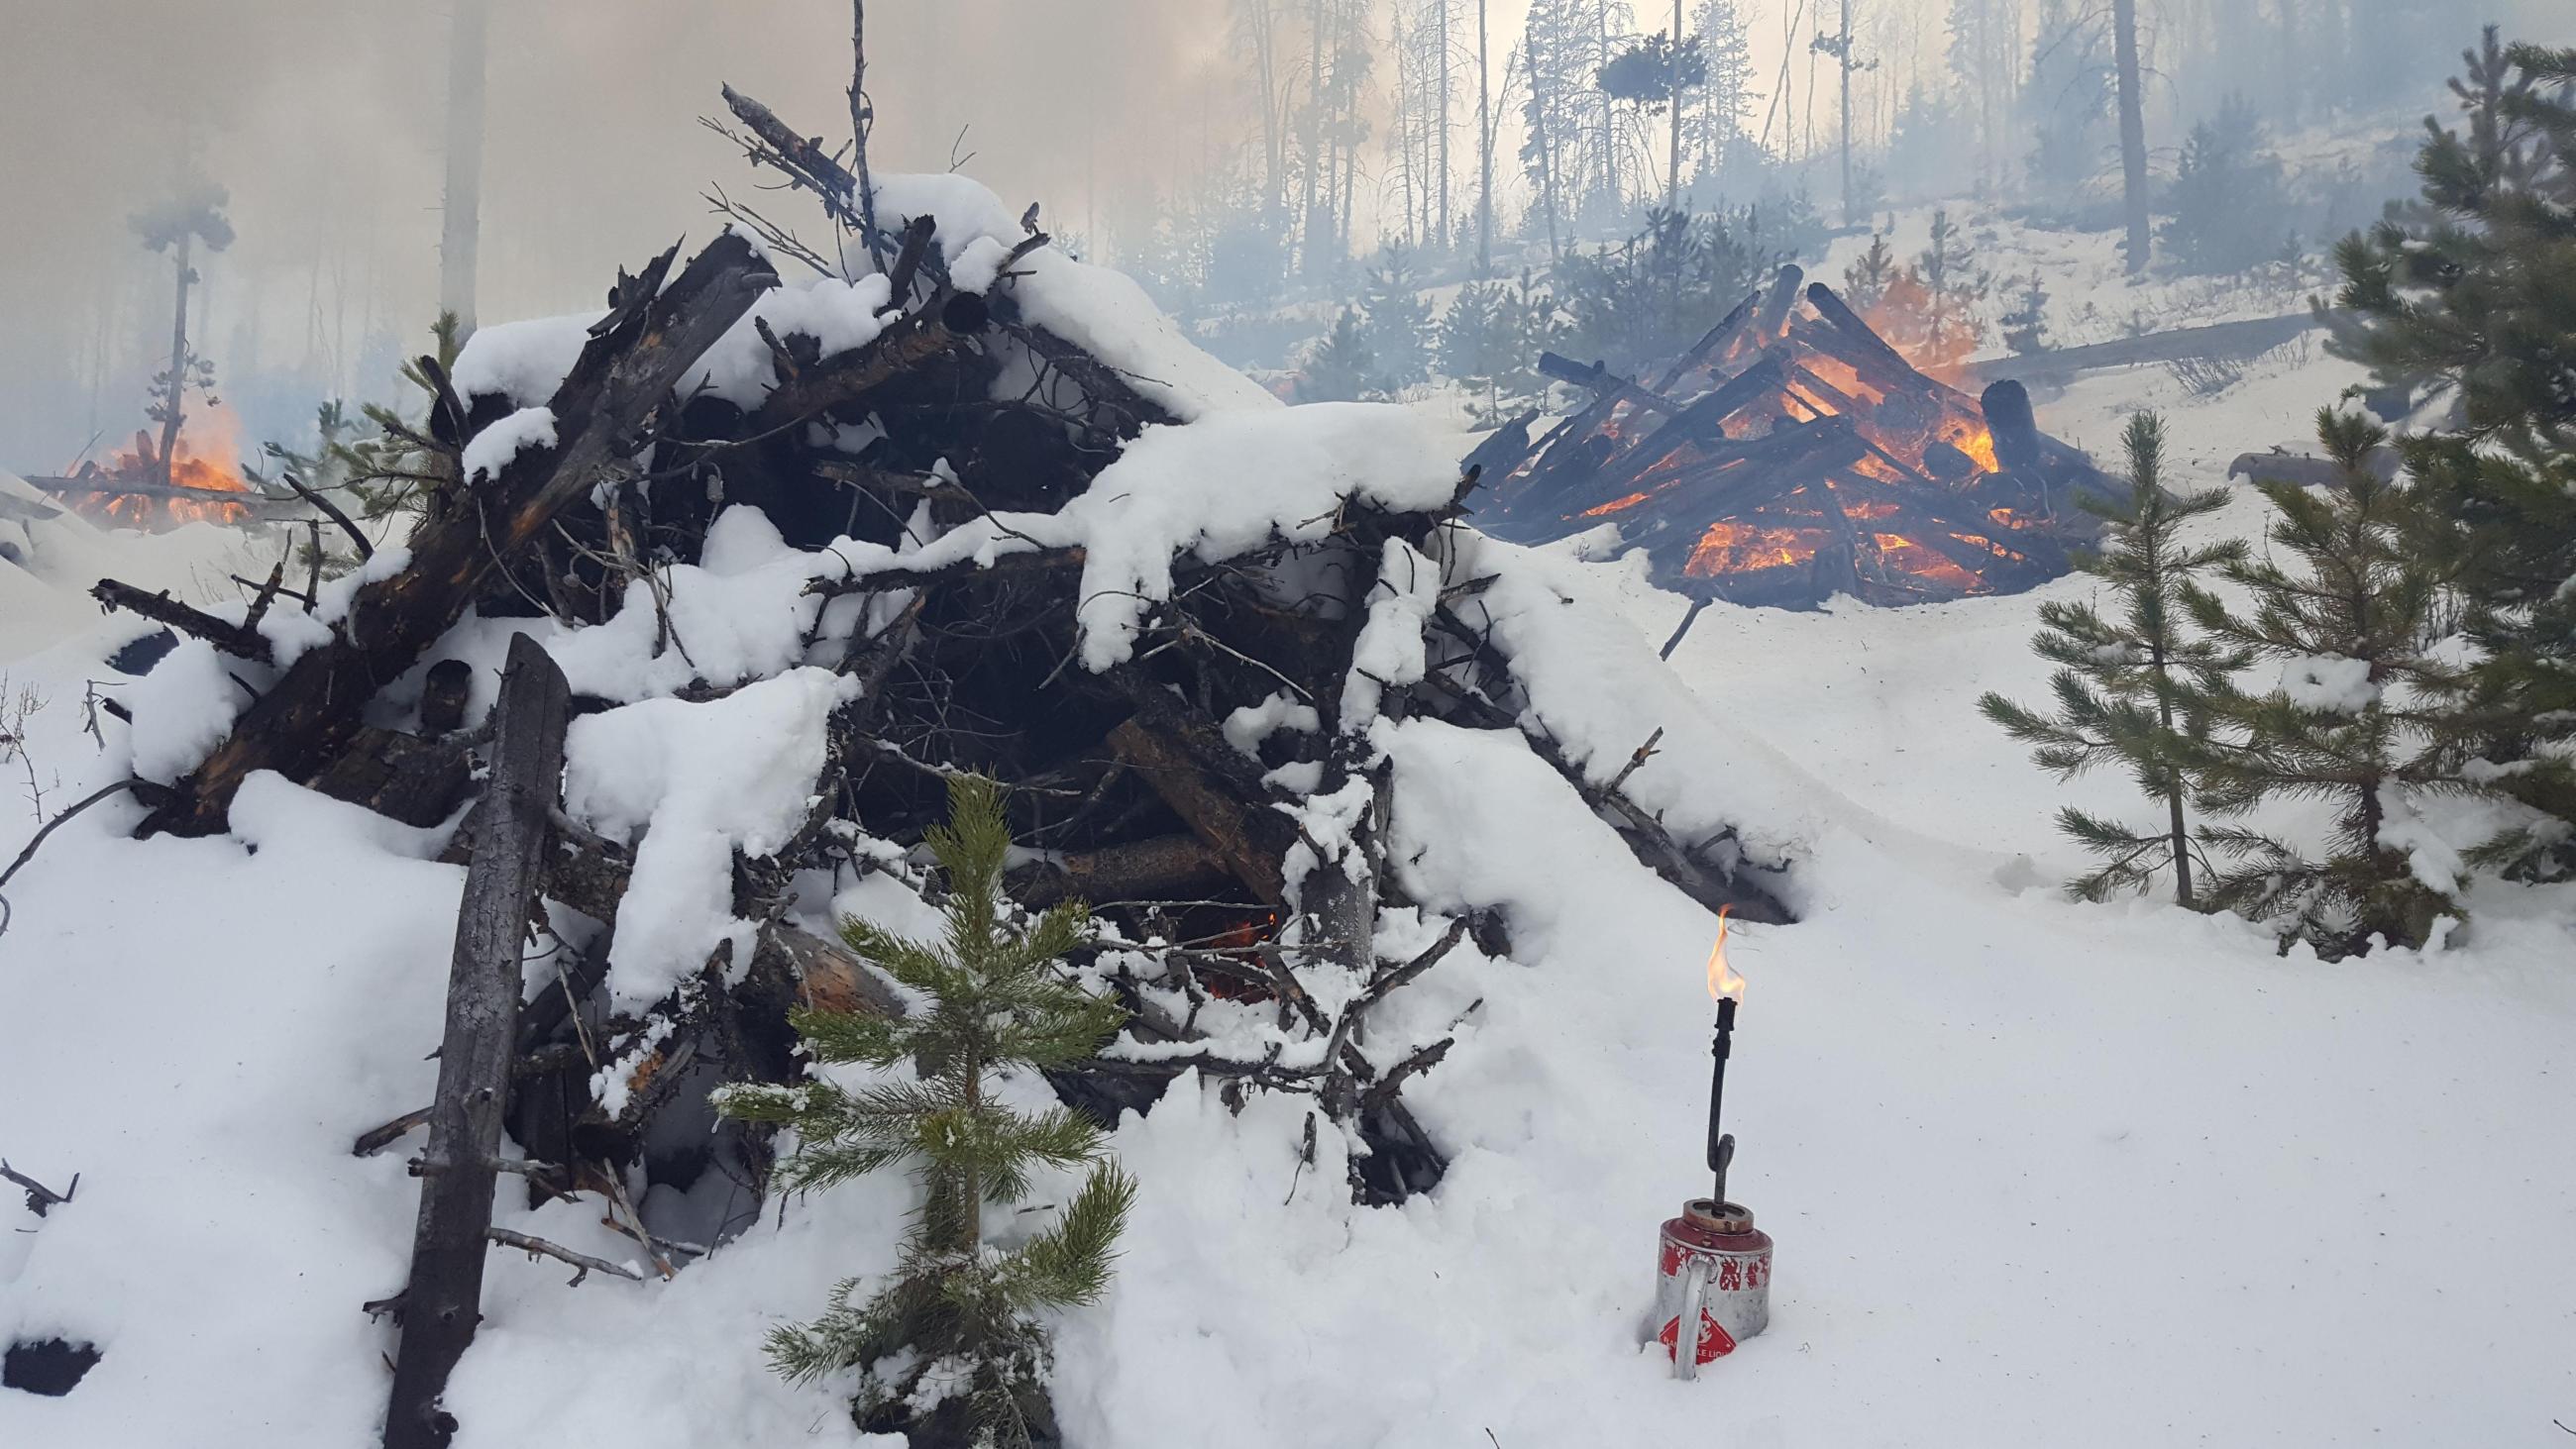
x,y
1713,1269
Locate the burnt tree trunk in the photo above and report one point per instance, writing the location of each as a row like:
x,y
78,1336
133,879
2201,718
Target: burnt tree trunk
x,y
442,1302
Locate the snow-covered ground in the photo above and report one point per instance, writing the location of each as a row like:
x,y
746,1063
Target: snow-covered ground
x,y
2040,1173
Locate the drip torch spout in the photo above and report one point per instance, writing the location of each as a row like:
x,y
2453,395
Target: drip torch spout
x,y
1721,1145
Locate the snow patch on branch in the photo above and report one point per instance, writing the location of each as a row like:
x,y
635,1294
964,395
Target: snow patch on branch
x,y
1247,727
1389,652
2330,683
494,447
699,781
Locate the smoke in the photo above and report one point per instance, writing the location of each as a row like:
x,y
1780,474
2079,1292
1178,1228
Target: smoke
x,y
324,121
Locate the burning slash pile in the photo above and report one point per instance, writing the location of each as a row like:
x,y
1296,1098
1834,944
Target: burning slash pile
x,y
137,490
1792,455
792,557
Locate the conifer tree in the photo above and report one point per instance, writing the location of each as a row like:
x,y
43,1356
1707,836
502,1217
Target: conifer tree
x,y
1340,367
951,1349
2354,721
1398,320
1866,280
2472,291
1954,286
1471,334
2025,328
2224,161
2126,687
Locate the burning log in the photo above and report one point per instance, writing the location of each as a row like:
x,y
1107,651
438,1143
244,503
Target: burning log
x,y
220,504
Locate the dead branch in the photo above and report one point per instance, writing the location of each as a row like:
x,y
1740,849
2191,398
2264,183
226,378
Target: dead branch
x,y
40,1198
539,1247
240,640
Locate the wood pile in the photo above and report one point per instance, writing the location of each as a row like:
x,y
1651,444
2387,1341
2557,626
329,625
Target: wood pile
x,y
1200,857
1792,455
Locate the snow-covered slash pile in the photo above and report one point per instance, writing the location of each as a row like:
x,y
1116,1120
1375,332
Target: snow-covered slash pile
x,y
1402,912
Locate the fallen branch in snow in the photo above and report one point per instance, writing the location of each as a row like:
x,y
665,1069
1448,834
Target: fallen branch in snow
x,y
539,1247
39,1196
377,1139
143,790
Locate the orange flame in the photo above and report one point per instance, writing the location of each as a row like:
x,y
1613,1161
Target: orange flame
x,y
205,451
1722,978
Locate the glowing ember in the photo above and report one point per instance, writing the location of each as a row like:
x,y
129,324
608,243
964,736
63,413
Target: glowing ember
x,y
1732,547
1977,443
1617,505
1722,978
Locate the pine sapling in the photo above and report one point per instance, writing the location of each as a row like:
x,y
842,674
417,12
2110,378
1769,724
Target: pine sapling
x,y
2127,687
2355,721
952,1349
2471,292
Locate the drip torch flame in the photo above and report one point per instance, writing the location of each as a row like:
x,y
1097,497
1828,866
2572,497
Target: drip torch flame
x,y
1722,978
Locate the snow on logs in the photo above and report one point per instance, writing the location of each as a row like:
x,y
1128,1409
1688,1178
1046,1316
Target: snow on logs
x,y
803,554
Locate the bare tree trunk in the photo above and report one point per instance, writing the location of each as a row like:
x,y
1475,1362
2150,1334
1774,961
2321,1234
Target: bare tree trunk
x,y
174,401
1265,60
1485,145
1441,125
1314,129
1673,101
461,217
1847,62
1609,149
2133,133
1550,178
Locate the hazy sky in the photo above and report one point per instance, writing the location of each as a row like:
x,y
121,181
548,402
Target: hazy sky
x,y
324,120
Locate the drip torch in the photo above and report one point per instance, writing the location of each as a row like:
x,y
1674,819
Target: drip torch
x,y
1713,1269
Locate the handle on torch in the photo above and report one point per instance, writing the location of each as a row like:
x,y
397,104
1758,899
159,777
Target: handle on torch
x,y
1721,1144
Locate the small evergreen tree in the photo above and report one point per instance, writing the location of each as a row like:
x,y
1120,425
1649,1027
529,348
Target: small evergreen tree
x,y
402,466
1339,367
1471,335
952,1350
2472,291
2025,328
1398,321
1866,280
2127,687
1659,291
2225,165
1950,274
2353,721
